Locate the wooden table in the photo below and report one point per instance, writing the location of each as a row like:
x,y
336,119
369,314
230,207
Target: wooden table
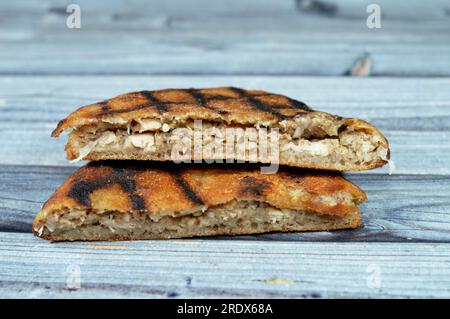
x,y
307,51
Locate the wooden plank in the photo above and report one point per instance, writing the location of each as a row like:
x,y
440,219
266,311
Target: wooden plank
x,y
145,14
33,59
413,113
233,55
31,267
178,38
400,207
391,10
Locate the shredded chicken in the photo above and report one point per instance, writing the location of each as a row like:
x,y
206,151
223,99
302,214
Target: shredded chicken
x,y
306,140
232,218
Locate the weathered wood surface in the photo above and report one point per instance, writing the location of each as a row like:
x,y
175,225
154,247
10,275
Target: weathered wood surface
x,y
31,267
400,207
135,45
413,113
134,12
180,37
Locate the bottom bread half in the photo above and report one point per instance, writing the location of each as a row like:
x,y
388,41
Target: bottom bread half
x,y
234,218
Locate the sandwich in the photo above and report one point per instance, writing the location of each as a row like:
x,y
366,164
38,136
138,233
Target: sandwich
x,y
151,125
116,200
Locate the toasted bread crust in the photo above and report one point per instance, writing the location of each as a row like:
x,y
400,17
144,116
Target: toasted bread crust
x,y
223,104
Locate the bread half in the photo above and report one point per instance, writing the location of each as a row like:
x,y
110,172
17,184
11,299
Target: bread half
x,y
127,200
151,125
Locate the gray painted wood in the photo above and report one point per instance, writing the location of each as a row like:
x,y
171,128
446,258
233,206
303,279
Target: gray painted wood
x,y
391,10
400,207
134,11
32,267
405,110
281,38
176,37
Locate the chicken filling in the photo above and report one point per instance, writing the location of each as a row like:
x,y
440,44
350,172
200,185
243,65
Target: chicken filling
x,y
306,139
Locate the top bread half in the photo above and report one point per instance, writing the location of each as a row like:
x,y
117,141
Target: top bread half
x,y
263,127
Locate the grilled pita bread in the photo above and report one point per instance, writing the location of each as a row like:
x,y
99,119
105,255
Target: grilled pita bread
x,y
117,200
142,125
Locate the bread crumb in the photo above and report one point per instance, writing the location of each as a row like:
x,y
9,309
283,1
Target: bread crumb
x,y
391,165
278,281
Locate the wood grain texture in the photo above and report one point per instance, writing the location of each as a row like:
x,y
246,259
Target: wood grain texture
x,y
405,110
141,44
132,11
176,37
399,208
31,267
391,10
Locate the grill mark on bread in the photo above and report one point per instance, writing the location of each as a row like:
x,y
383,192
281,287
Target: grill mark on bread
x,y
128,185
161,106
82,190
174,100
220,97
252,186
202,100
104,106
138,203
253,99
186,188
255,103
298,105
58,127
